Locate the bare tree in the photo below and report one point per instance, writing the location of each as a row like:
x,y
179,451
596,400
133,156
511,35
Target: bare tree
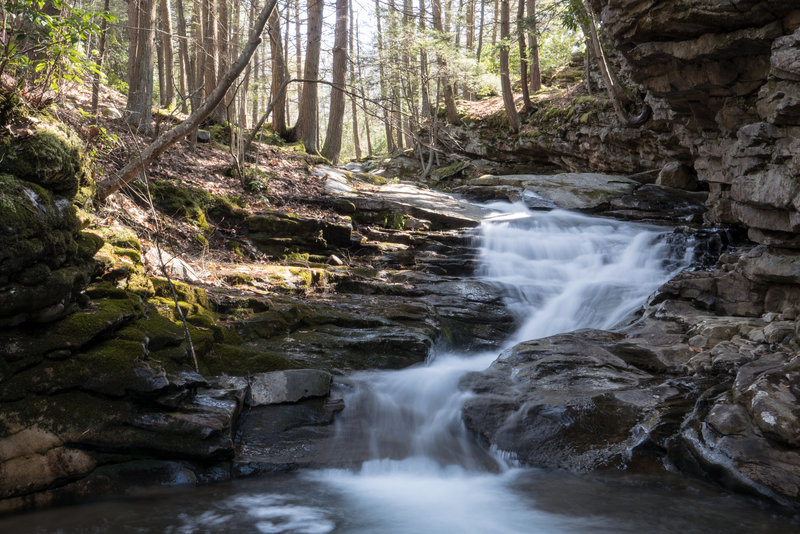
x,y
142,160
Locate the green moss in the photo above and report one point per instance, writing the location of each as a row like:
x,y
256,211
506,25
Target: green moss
x,y
52,157
587,117
241,360
300,257
186,293
234,247
306,275
182,202
202,241
586,100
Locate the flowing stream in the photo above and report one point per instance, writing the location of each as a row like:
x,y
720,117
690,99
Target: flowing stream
x,y
426,475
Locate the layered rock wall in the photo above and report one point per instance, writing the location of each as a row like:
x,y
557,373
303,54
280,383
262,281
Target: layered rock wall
x,y
727,75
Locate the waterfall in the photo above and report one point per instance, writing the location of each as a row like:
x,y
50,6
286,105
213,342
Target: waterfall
x,y
560,271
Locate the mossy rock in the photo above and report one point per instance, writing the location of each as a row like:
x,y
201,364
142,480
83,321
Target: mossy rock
x,y
186,293
52,157
180,202
238,360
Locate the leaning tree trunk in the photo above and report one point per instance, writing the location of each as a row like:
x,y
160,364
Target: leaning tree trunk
x,y
140,162
505,77
333,136
614,89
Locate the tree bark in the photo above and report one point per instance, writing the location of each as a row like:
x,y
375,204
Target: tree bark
x,y
139,163
449,97
387,121
333,136
279,74
505,79
481,26
614,89
101,53
186,75
307,126
168,53
142,33
535,75
353,85
527,105
223,59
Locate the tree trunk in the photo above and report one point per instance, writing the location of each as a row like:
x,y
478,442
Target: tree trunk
x,y
449,98
387,121
140,162
279,74
211,60
495,24
186,75
307,125
298,53
481,26
142,32
223,59
363,98
505,79
535,75
168,96
333,135
424,85
614,89
527,105
353,85
101,53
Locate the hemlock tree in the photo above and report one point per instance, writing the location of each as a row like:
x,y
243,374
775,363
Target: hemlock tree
x,y
333,137
142,34
505,76
307,126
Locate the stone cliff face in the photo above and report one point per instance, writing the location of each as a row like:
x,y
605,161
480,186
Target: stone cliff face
x,y
727,76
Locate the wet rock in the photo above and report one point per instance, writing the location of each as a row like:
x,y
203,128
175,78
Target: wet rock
x,y
288,386
579,191
678,176
746,436
567,401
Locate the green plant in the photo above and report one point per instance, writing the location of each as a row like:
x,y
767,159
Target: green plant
x,y
43,41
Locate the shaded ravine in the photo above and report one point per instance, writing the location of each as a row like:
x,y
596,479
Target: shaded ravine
x,y
425,473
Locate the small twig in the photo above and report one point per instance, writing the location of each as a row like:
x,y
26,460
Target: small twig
x,y
162,264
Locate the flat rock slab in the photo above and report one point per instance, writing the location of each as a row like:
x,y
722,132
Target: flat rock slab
x,y
572,191
288,386
442,210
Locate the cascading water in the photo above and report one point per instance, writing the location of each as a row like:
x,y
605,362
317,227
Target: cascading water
x,y
561,271
424,473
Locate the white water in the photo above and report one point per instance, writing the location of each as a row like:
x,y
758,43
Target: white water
x,y
562,271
